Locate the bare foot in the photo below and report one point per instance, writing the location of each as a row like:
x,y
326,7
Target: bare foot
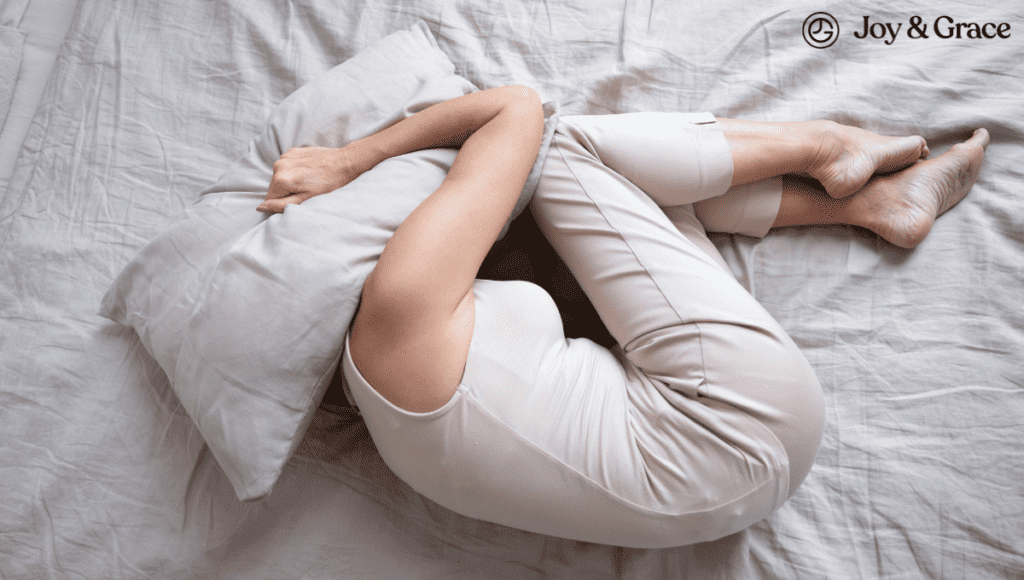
x,y
902,207
847,157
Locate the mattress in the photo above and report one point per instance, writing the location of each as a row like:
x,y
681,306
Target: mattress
x,y
919,352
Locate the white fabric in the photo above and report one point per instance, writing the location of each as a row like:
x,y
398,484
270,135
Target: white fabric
x,y
652,141
920,471
41,26
748,209
673,165
12,41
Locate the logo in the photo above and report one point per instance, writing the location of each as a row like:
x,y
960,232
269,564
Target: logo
x,y
821,30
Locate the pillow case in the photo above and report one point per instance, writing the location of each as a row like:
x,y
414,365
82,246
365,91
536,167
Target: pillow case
x,y
247,313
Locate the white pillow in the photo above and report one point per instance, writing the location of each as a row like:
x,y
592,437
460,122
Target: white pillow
x,y
247,313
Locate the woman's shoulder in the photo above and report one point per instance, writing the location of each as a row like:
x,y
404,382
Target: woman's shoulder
x,y
418,366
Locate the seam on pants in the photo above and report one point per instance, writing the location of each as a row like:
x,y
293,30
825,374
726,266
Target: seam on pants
x,y
700,338
702,388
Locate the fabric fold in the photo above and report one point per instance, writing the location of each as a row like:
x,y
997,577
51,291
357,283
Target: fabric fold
x,y
12,43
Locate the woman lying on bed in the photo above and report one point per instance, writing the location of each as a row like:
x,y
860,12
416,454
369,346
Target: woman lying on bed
x,y
706,417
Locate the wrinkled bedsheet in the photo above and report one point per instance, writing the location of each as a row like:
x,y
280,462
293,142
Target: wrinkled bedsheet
x,y
920,353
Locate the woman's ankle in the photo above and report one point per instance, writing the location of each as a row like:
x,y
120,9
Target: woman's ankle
x,y
761,150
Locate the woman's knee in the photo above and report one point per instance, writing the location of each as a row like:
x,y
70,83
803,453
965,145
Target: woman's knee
x,y
764,373
799,417
802,431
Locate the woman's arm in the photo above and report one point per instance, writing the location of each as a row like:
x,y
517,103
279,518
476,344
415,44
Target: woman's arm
x,y
411,335
428,266
447,124
305,172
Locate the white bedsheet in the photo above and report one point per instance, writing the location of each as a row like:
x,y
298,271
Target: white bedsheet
x,y
34,31
921,472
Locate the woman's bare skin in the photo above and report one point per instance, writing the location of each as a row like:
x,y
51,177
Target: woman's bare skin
x,y
900,207
846,157
903,206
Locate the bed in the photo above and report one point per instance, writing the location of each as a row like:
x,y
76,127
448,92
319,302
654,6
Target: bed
x,y
117,115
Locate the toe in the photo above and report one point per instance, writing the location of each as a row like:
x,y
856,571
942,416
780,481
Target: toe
x,y
980,137
901,153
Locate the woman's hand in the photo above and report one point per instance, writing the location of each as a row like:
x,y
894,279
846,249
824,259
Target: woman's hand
x,y
305,172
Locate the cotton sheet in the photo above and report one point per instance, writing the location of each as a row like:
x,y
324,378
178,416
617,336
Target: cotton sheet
x,y
31,31
103,475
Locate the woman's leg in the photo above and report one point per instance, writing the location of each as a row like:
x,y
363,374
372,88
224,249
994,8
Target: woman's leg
x,y
676,166
749,209
737,411
681,319
840,157
900,207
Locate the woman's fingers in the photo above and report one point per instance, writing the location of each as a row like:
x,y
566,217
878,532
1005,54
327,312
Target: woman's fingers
x,y
302,173
277,205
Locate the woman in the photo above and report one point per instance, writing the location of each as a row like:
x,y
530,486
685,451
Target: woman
x,y
706,417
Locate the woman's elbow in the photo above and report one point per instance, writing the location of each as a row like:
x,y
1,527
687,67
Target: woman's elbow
x,y
528,101
524,94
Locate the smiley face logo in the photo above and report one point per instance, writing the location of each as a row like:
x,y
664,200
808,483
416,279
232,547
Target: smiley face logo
x,y
821,30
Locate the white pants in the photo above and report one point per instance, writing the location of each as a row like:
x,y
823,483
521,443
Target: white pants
x,y
702,422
